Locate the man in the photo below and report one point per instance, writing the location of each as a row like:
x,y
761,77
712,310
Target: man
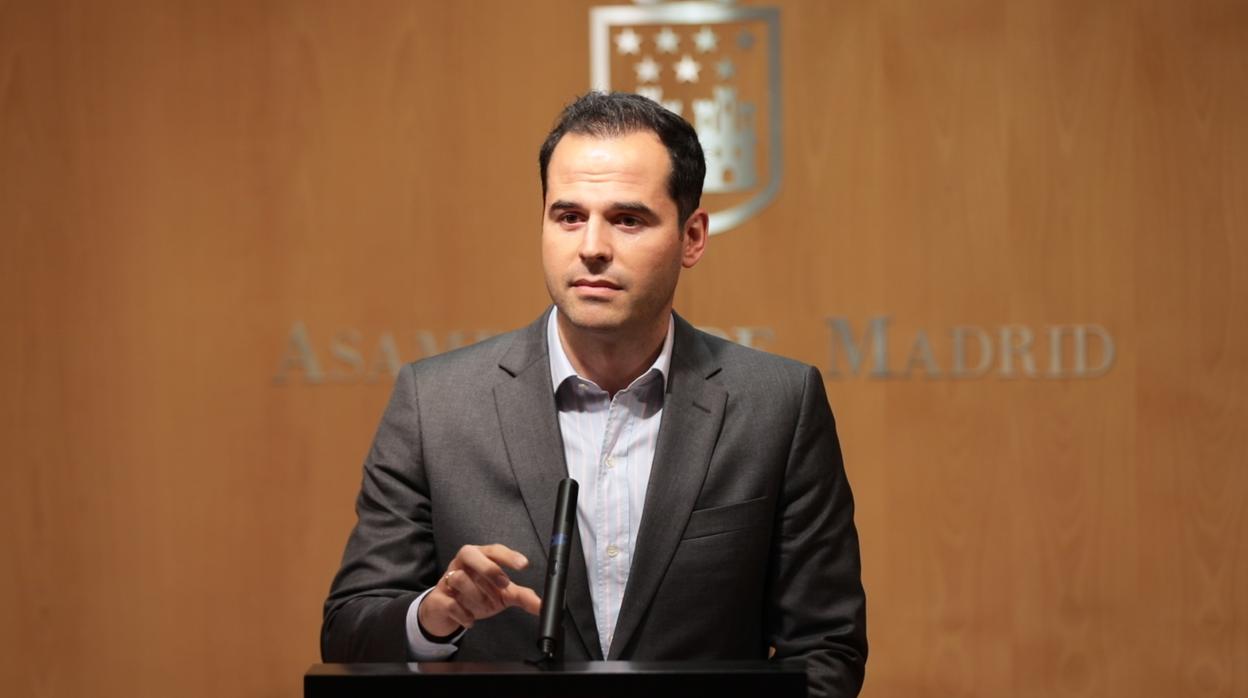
x,y
714,518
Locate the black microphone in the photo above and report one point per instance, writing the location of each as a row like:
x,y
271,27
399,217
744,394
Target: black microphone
x,y
551,623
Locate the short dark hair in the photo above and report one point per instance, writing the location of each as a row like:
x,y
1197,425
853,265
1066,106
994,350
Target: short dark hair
x,y
605,115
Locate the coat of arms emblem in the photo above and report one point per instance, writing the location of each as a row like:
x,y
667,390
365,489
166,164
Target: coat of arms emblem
x,y
716,64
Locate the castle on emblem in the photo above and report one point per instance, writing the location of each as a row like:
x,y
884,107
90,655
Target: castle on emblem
x,y
716,64
726,128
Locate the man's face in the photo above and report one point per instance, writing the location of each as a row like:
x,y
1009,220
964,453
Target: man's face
x,y
612,247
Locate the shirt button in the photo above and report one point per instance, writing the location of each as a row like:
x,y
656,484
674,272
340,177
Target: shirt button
x,y
612,551
610,462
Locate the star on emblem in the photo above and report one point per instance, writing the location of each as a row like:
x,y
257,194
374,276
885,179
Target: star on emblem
x,y
628,42
706,40
687,69
647,70
726,69
667,41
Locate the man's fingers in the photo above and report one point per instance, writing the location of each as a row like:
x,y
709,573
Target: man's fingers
x,y
523,597
474,558
505,556
465,580
476,587
478,596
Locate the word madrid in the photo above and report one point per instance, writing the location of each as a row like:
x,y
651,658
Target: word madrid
x,y
969,351
872,350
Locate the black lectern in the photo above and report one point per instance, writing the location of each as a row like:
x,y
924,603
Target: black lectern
x,y
775,679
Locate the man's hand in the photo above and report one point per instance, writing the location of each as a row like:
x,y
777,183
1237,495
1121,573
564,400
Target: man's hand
x,y
475,587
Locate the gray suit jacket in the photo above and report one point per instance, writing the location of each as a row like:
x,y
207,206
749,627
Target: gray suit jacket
x,y
747,538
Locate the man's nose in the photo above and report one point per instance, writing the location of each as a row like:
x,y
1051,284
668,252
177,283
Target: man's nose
x,y
596,241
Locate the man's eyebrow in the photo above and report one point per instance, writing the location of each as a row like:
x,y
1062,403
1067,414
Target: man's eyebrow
x,y
634,207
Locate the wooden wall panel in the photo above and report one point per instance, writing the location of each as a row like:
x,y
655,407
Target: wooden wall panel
x,y
183,183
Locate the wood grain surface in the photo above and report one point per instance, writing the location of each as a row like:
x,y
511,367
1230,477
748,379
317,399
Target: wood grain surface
x,y
186,187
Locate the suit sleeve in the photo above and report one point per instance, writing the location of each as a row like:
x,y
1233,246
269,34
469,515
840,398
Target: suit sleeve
x,y
390,557
818,608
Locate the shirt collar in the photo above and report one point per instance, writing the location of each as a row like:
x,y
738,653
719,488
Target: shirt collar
x,y
561,367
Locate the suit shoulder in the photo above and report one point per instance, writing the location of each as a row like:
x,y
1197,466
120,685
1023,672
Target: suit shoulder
x,y
474,360
742,363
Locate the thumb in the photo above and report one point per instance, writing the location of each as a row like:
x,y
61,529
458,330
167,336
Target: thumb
x,y
523,597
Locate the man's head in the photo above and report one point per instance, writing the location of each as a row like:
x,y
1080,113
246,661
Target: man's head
x,y
614,235
616,114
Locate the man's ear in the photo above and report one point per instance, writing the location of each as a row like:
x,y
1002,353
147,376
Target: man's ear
x,y
693,244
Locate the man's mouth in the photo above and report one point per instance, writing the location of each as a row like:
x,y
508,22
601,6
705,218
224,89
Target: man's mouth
x,y
596,283
596,289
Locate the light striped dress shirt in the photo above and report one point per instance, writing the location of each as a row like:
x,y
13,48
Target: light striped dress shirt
x,y
608,444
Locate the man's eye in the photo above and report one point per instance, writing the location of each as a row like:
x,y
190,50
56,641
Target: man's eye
x,y
569,218
630,222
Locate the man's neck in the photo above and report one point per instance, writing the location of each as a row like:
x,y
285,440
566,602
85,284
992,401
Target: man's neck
x,y
612,360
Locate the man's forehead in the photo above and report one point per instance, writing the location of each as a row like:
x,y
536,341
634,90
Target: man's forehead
x,y
639,143
638,157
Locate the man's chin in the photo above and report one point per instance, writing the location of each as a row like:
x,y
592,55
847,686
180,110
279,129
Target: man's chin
x,y
588,318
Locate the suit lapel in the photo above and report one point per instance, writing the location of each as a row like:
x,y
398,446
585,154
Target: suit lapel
x,y
530,429
693,410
